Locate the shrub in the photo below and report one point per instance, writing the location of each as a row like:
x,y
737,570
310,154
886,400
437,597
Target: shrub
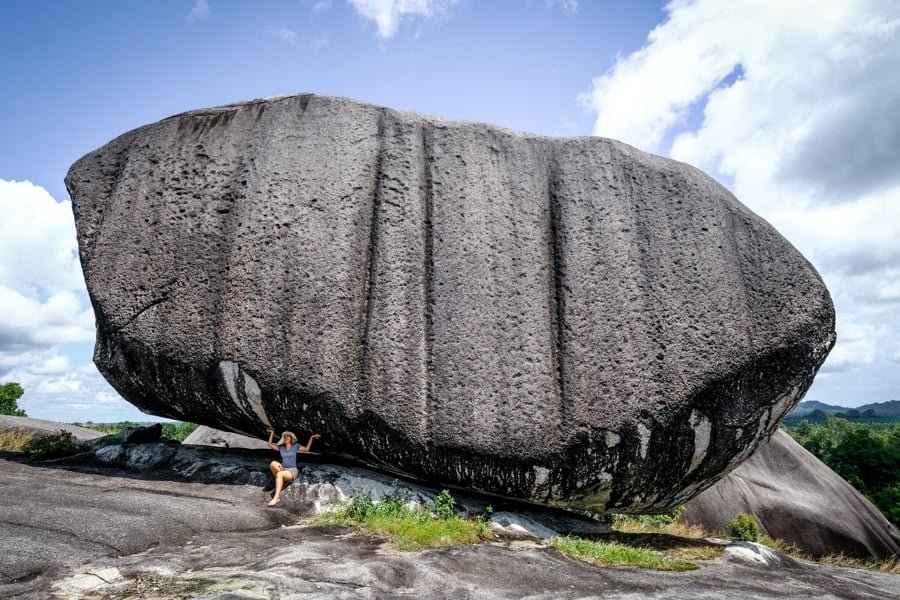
x,y
744,527
177,431
443,505
360,507
56,445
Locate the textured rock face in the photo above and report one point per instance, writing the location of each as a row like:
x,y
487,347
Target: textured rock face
x,y
798,499
568,321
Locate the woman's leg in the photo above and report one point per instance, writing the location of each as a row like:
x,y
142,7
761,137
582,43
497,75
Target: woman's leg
x,y
275,467
280,478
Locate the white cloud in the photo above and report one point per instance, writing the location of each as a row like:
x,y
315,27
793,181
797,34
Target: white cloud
x,y
797,105
199,12
859,346
284,34
58,391
43,304
42,292
387,14
321,5
319,42
570,7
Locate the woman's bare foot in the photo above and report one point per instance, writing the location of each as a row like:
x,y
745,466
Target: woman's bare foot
x,y
273,502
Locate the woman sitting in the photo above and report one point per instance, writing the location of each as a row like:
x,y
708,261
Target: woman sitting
x,y
286,470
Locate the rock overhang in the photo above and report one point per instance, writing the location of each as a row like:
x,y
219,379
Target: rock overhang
x,y
566,321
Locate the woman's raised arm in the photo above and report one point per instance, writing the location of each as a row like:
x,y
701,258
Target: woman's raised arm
x,y
271,435
308,445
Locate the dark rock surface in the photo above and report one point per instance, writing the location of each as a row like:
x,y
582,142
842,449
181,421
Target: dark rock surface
x,y
568,321
68,534
798,499
43,427
321,483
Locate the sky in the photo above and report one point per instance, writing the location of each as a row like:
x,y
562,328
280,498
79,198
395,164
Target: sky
x,y
793,105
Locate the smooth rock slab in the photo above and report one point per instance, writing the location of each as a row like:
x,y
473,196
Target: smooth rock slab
x,y
43,428
568,321
797,499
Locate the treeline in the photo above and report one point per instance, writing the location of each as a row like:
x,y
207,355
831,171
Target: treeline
x,y
171,431
851,414
867,455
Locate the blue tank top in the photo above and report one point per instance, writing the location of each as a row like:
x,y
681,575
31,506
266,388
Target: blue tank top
x,y
289,456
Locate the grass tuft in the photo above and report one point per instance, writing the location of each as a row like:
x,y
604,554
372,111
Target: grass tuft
x,y
882,565
15,440
409,526
615,554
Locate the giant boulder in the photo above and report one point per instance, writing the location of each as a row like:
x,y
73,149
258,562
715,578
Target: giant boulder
x,y
567,321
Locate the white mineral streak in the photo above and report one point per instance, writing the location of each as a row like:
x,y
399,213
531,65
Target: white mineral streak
x,y
541,475
763,423
612,439
254,395
230,374
644,433
782,405
702,429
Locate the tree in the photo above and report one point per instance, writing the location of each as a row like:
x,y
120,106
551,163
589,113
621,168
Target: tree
x,y
9,394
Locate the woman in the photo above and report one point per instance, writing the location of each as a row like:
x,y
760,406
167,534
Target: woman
x,y
286,470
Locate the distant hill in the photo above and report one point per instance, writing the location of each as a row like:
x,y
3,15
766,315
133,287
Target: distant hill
x,y
815,411
891,408
804,408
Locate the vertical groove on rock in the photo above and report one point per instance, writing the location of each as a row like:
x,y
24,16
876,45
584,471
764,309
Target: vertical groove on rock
x,y
229,224
428,200
372,261
557,297
731,236
111,197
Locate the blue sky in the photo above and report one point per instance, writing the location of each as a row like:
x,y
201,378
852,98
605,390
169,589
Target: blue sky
x,y
794,105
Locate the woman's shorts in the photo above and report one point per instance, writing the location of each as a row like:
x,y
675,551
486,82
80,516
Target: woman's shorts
x,y
294,472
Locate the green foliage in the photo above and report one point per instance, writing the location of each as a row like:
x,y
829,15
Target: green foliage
x,y
744,527
865,454
443,505
171,431
109,428
410,527
177,431
615,554
56,445
650,521
9,396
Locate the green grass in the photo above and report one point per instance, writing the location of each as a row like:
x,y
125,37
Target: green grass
x,y
409,527
615,554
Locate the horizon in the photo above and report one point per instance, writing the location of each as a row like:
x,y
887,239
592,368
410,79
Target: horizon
x,y
791,106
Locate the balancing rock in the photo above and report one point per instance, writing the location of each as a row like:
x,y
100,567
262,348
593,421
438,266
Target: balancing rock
x,y
570,322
